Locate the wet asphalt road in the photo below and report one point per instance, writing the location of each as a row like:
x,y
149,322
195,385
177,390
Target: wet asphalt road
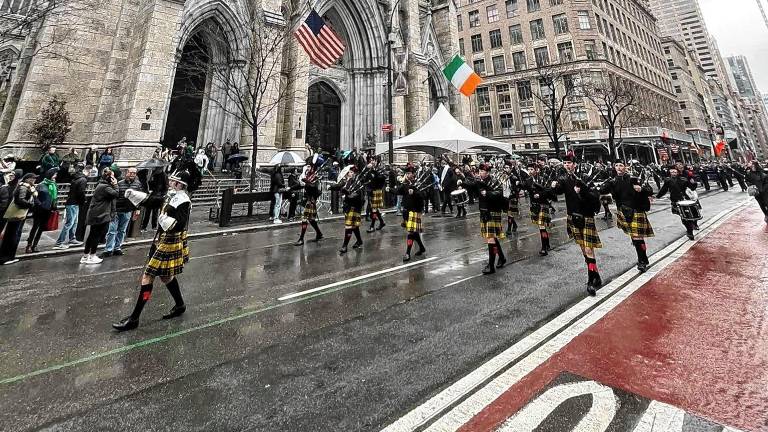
x,y
353,356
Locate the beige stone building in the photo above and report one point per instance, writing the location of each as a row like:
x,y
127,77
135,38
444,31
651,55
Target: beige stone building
x,y
507,41
118,69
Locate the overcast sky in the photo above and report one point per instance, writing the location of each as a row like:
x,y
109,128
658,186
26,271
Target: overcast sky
x,y
740,30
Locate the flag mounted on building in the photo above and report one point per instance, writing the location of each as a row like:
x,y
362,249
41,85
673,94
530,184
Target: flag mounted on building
x,y
719,147
323,46
462,76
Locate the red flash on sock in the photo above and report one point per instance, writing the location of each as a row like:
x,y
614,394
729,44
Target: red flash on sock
x,y
495,250
643,246
409,242
544,234
146,295
592,267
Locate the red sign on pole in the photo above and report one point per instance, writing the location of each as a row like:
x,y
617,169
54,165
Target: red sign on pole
x,y
387,128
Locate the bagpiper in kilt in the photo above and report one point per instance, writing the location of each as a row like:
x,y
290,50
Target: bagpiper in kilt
x,y
413,203
633,202
377,181
169,251
352,191
492,204
581,202
309,178
513,200
539,196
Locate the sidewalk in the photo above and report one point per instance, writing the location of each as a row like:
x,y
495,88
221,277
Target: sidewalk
x,y
681,348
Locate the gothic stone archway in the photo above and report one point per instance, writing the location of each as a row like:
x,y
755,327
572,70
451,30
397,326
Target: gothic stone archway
x,y
323,117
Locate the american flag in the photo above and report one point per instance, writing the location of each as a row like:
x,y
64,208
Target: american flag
x,y
320,42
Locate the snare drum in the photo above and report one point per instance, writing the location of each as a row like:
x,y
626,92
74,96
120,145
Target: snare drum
x,y
460,196
689,210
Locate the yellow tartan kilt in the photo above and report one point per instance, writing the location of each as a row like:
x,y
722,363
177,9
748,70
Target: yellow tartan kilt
x,y
413,224
352,219
588,236
640,226
542,218
310,211
377,199
493,228
514,207
167,255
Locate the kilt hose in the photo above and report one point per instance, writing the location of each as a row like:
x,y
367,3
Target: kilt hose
x,y
586,237
640,226
606,199
491,226
167,255
413,223
513,210
377,199
310,210
542,218
352,218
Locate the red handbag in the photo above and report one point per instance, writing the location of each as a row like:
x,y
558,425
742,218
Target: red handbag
x,y
53,221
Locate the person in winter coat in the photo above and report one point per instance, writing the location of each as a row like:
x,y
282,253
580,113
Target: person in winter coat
x,y
45,204
23,201
100,213
50,160
93,157
6,195
157,187
75,200
124,208
106,160
277,188
758,178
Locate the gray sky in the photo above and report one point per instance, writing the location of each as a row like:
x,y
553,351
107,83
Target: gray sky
x,y
739,29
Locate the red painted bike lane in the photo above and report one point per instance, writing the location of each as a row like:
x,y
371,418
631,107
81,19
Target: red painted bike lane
x,y
694,337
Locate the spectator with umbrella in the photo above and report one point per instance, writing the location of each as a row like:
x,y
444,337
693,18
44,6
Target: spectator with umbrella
x,y
276,188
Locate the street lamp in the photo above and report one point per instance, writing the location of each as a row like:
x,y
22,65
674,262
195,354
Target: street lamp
x,y
390,40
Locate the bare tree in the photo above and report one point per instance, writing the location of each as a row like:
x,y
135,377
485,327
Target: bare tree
x,y
613,97
556,85
252,80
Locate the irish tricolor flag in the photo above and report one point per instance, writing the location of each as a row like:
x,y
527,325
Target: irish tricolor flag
x,y
462,76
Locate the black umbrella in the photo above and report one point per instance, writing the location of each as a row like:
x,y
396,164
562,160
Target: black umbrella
x,y
152,164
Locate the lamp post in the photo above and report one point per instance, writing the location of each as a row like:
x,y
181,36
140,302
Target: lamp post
x,y
390,39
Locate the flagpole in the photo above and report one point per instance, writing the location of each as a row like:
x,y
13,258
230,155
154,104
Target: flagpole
x,y
391,134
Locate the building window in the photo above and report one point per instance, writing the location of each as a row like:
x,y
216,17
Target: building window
x,y
461,46
459,22
503,96
507,124
560,23
545,89
495,36
474,19
678,90
687,121
584,20
533,5
483,99
524,93
673,75
530,124
477,43
479,66
565,51
498,65
515,34
518,60
670,63
493,13
486,126
537,29
579,120
542,56
683,105
555,2
589,50
511,8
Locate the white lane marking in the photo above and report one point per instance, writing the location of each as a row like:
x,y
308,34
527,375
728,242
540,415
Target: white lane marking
x,y
421,415
661,417
598,418
460,281
356,279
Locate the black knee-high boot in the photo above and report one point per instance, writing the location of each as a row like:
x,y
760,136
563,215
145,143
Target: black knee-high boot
x,y
381,219
373,222
642,255
594,276
422,249
544,242
358,238
491,267
500,253
316,227
175,290
300,241
131,322
347,236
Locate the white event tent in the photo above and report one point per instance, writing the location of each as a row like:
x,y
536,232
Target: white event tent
x,y
443,133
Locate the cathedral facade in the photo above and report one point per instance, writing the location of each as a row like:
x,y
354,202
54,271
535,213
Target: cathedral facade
x,y
120,68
